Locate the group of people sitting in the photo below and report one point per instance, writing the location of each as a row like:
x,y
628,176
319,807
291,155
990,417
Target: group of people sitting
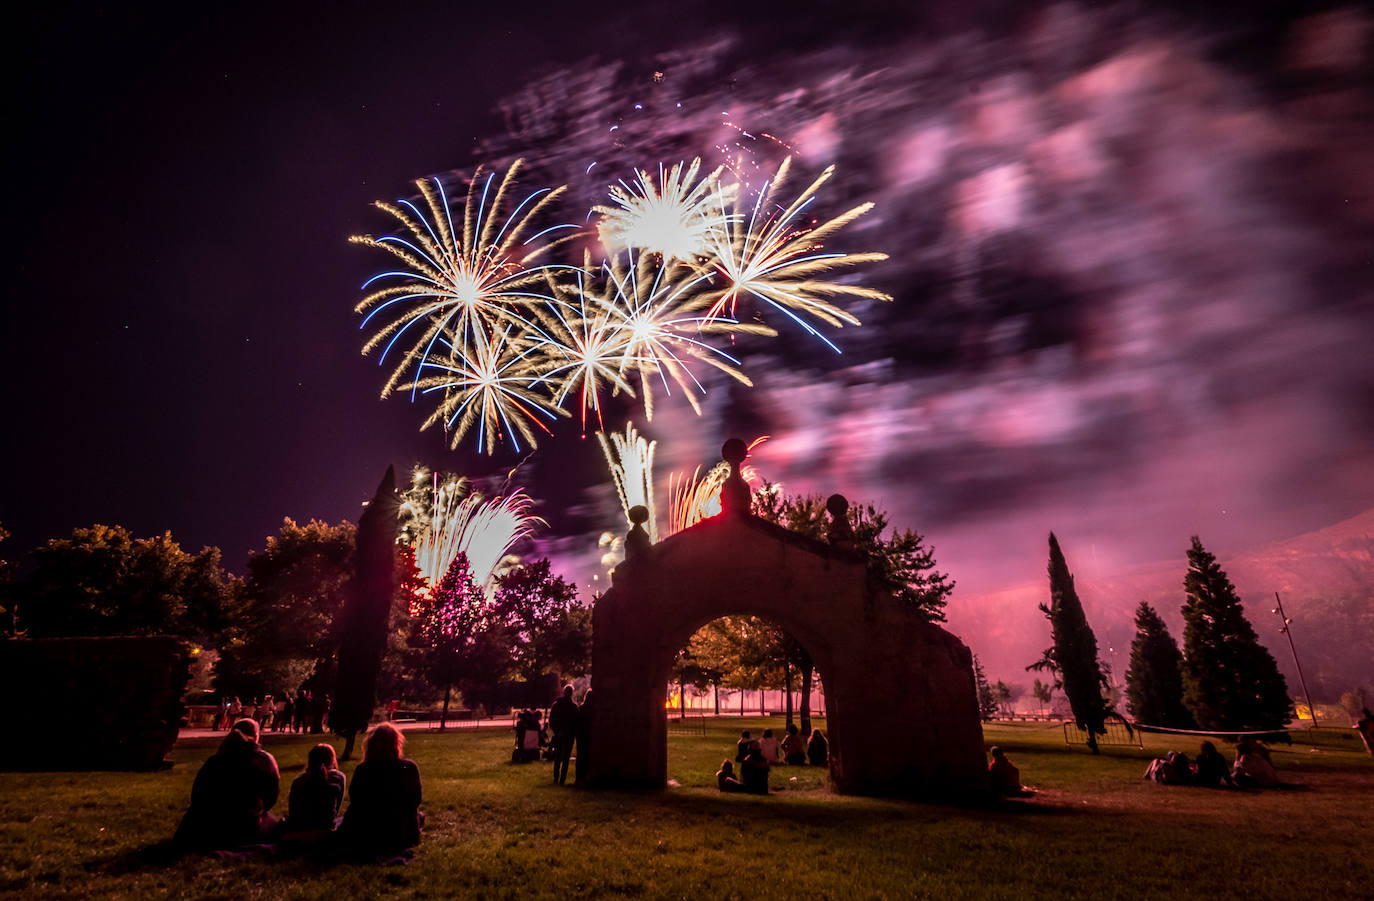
x,y
234,793
1252,769
757,755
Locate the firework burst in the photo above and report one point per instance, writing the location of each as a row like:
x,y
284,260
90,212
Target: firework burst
x,y
673,217
456,281
775,255
631,461
657,300
694,498
492,384
463,521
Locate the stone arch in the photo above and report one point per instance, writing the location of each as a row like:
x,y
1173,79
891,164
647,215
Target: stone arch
x,y
902,707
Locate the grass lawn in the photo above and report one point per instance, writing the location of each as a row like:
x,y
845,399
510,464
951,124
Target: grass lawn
x,y
1095,830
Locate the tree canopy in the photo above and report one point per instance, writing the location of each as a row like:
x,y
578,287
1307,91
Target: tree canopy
x,y
1154,681
1072,657
102,581
1230,681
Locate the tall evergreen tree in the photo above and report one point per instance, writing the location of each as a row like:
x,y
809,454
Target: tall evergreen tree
x,y
363,622
1229,680
1154,681
987,699
1072,658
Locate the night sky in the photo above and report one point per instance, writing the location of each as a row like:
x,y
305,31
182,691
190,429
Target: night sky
x,y
1132,255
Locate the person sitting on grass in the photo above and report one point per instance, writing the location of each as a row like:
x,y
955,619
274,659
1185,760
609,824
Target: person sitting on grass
x,y
1171,769
725,777
232,797
313,803
742,746
817,749
1003,776
1210,770
755,771
768,746
793,748
383,818
1253,768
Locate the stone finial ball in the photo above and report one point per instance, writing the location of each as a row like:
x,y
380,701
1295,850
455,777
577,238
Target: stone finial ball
x,y
639,514
734,451
837,505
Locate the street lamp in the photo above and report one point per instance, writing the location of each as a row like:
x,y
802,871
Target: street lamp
x,y
1289,634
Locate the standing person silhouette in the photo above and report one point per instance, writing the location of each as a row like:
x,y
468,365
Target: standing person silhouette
x,y
563,724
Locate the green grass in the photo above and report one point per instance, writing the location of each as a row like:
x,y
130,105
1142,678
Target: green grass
x,y
1095,830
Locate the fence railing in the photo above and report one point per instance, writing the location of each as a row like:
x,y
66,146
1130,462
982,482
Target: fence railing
x,y
1118,735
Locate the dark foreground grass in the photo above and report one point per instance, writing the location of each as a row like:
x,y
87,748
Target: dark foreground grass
x,y
1095,830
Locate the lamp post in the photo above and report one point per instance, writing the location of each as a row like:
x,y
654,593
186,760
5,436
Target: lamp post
x,y
1288,633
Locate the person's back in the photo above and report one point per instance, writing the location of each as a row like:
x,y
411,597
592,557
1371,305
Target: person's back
x,y
742,746
1209,769
232,795
1003,776
793,747
316,794
768,747
817,749
383,816
754,769
725,778
1253,769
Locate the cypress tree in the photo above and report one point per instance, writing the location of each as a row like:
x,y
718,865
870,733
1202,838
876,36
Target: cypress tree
x,y
1073,655
365,614
987,701
1230,681
1154,682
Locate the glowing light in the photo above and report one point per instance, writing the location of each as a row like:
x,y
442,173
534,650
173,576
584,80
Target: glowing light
x,y
672,218
488,384
694,498
631,461
457,282
770,253
485,529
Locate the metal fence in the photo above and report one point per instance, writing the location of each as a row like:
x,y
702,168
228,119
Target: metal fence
x,y
1118,735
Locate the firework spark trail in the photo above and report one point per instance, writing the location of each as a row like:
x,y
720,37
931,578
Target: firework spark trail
x,y
631,460
580,343
694,498
771,254
661,337
491,386
673,218
485,529
459,285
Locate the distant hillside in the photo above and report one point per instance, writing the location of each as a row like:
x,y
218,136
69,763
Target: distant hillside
x,y
1326,579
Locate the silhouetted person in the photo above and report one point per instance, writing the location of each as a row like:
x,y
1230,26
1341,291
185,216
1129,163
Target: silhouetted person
x,y
725,778
1003,776
1171,769
302,716
313,803
818,749
1365,726
586,712
793,747
1210,769
754,769
563,724
742,746
768,746
383,816
232,797
1253,768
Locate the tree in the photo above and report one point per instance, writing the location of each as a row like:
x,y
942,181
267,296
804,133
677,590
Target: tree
x,y
1072,657
103,581
1154,681
1042,692
453,625
547,628
1001,693
1230,681
362,625
987,698
291,598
